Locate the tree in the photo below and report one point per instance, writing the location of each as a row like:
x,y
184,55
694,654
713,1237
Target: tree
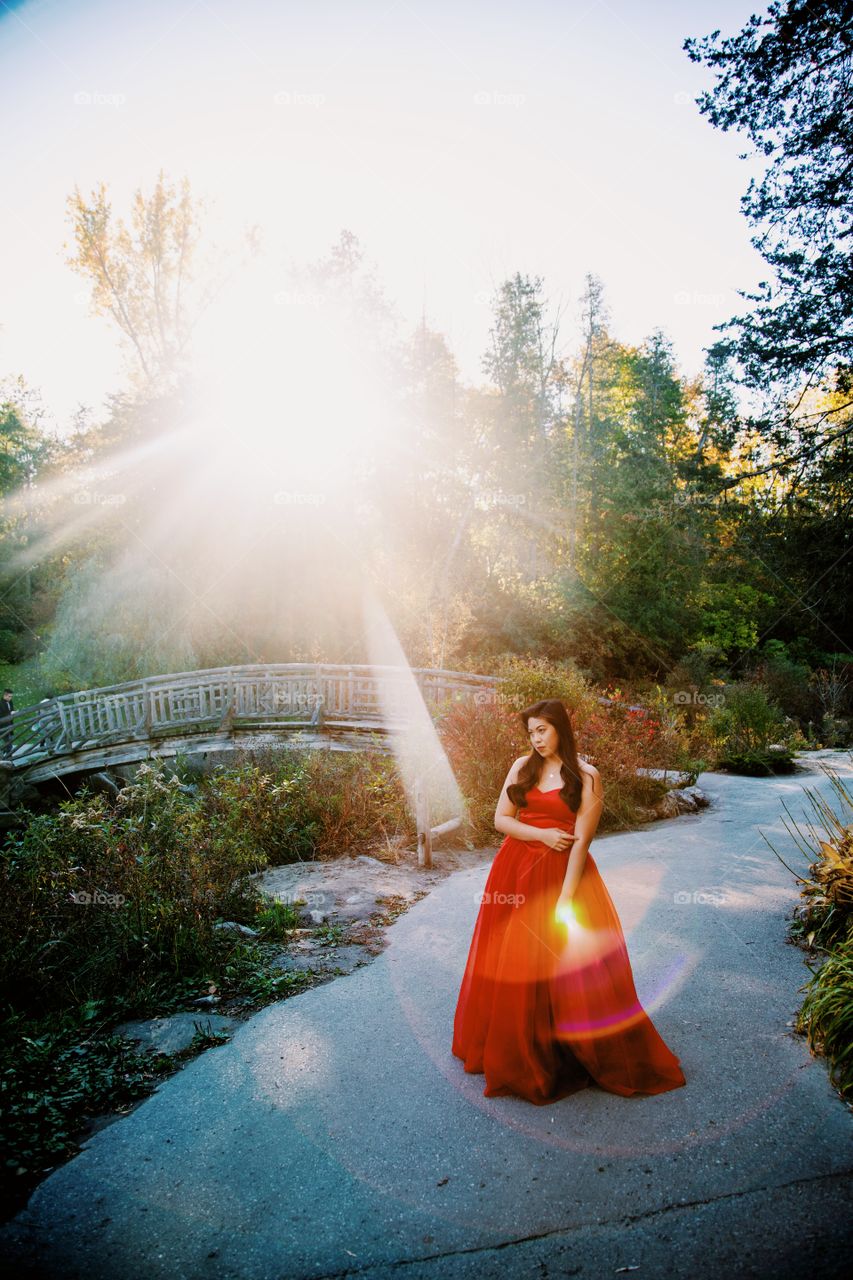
x,y
22,445
594,319
640,551
522,358
25,452
145,277
719,423
523,364
784,80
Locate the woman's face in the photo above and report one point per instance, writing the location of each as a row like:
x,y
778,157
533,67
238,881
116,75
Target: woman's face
x,y
543,736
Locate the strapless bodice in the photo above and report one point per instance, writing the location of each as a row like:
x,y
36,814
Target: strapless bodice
x,y
546,809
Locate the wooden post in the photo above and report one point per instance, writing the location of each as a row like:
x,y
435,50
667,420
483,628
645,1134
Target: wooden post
x,y
146,709
422,820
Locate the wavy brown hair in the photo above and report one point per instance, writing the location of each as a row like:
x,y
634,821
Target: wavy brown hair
x,y
552,710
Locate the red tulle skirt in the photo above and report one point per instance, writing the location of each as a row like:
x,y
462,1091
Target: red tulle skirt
x,y
547,1008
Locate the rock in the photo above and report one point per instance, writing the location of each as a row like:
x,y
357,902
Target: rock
x,y
346,958
669,806
362,910
171,1034
232,926
680,800
103,782
318,916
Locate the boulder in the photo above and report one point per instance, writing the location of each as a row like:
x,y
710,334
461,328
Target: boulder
x,y
232,926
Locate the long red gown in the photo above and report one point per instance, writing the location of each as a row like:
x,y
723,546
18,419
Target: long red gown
x,y
547,1008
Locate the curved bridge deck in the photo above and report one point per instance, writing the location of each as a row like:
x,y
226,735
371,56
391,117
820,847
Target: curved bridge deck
x,y
341,706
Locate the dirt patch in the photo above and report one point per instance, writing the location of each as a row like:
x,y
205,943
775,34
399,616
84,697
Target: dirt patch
x,y
347,903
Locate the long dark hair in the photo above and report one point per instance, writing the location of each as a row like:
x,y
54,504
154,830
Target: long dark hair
x,y
552,710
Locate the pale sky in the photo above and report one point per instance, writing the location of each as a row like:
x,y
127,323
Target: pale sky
x,y
460,142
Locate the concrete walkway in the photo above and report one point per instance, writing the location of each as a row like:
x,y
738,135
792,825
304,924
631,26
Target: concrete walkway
x,y
336,1135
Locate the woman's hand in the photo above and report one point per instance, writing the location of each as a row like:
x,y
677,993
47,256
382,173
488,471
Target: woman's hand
x,y
556,838
564,909
573,912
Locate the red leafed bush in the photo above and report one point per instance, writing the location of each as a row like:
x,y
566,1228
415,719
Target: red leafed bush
x,y
481,738
619,742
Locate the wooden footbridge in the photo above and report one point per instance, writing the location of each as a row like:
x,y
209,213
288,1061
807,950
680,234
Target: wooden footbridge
x,y
344,707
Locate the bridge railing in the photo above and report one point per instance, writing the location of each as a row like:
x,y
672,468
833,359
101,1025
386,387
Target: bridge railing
x,y
286,695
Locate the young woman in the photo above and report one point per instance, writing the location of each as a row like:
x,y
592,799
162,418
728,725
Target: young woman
x,y
547,1004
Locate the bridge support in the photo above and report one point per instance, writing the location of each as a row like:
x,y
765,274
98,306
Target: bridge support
x,y
6,771
424,829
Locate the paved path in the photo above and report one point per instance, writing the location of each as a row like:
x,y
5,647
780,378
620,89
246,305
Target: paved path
x,y
336,1135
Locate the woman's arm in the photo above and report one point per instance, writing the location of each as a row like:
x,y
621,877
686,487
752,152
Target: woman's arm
x,y
506,821
586,824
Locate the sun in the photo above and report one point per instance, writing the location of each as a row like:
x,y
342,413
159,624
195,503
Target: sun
x,y
290,393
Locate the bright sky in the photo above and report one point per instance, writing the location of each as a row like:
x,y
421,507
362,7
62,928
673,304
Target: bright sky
x,y
460,142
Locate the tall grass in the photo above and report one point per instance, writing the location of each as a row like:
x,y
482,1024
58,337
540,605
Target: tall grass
x,y
824,922
826,1016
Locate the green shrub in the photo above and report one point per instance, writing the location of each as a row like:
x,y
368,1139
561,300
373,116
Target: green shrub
x,y
12,646
745,729
26,681
329,802
786,683
99,900
528,680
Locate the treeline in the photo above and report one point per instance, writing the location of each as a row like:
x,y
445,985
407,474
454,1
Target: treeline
x,y
576,504
587,499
